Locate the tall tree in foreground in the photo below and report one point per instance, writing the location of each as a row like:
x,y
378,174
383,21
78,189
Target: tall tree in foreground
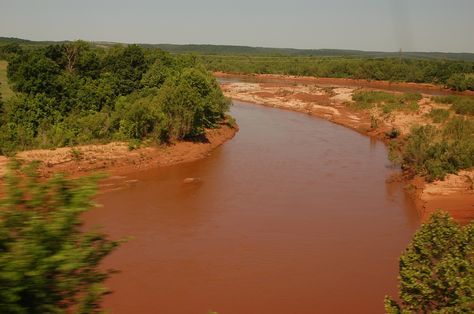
x,y
437,269
47,263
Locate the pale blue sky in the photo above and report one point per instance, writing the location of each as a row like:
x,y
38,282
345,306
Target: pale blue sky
x,y
384,25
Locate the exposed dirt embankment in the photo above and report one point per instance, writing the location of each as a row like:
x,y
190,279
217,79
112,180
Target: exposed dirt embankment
x,y
117,158
330,99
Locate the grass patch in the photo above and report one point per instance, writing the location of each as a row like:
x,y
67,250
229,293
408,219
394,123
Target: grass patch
x,y
439,115
134,144
230,122
387,101
5,90
76,154
410,97
460,104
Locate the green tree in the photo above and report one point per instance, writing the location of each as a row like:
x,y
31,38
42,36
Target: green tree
x,y
47,263
1,105
11,48
214,102
162,68
139,115
183,108
458,82
127,66
33,72
437,269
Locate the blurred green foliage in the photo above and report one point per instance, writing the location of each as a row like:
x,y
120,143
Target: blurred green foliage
x,y
48,263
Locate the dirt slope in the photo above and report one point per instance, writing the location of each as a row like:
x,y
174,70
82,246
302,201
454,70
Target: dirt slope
x,y
117,158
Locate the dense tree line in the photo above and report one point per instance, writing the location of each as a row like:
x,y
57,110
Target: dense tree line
x,y
458,75
73,93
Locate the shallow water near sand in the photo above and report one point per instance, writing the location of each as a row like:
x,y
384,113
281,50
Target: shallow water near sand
x,y
293,215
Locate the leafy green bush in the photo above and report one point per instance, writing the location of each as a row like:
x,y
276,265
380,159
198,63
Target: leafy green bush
x,y
392,134
14,137
435,153
183,108
461,81
32,72
387,101
48,264
460,104
139,116
158,72
437,269
214,103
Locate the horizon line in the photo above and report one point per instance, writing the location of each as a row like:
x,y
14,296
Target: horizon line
x,y
237,45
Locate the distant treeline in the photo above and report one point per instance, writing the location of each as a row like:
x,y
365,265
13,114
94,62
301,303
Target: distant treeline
x,y
454,70
457,75
205,49
291,52
73,93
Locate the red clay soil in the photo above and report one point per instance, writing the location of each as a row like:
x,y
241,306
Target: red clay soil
x,y
117,159
455,194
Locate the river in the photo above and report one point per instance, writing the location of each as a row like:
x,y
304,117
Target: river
x,y
293,215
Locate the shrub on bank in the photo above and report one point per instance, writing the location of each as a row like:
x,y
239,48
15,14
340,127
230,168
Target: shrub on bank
x,y
434,153
388,102
460,104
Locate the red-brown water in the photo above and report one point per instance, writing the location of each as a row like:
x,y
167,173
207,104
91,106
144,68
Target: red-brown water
x,y
293,215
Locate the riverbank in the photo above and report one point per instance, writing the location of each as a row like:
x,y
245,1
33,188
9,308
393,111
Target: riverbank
x,y
346,82
118,158
330,99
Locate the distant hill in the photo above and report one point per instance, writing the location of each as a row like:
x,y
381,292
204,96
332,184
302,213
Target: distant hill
x,y
13,40
247,50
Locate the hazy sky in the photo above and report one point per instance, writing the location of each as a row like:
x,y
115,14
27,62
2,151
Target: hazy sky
x,y
387,25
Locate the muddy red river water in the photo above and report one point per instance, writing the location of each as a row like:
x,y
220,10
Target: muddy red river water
x,y
293,215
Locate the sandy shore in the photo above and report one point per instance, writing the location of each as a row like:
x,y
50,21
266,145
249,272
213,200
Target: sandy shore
x,y
117,159
328,99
